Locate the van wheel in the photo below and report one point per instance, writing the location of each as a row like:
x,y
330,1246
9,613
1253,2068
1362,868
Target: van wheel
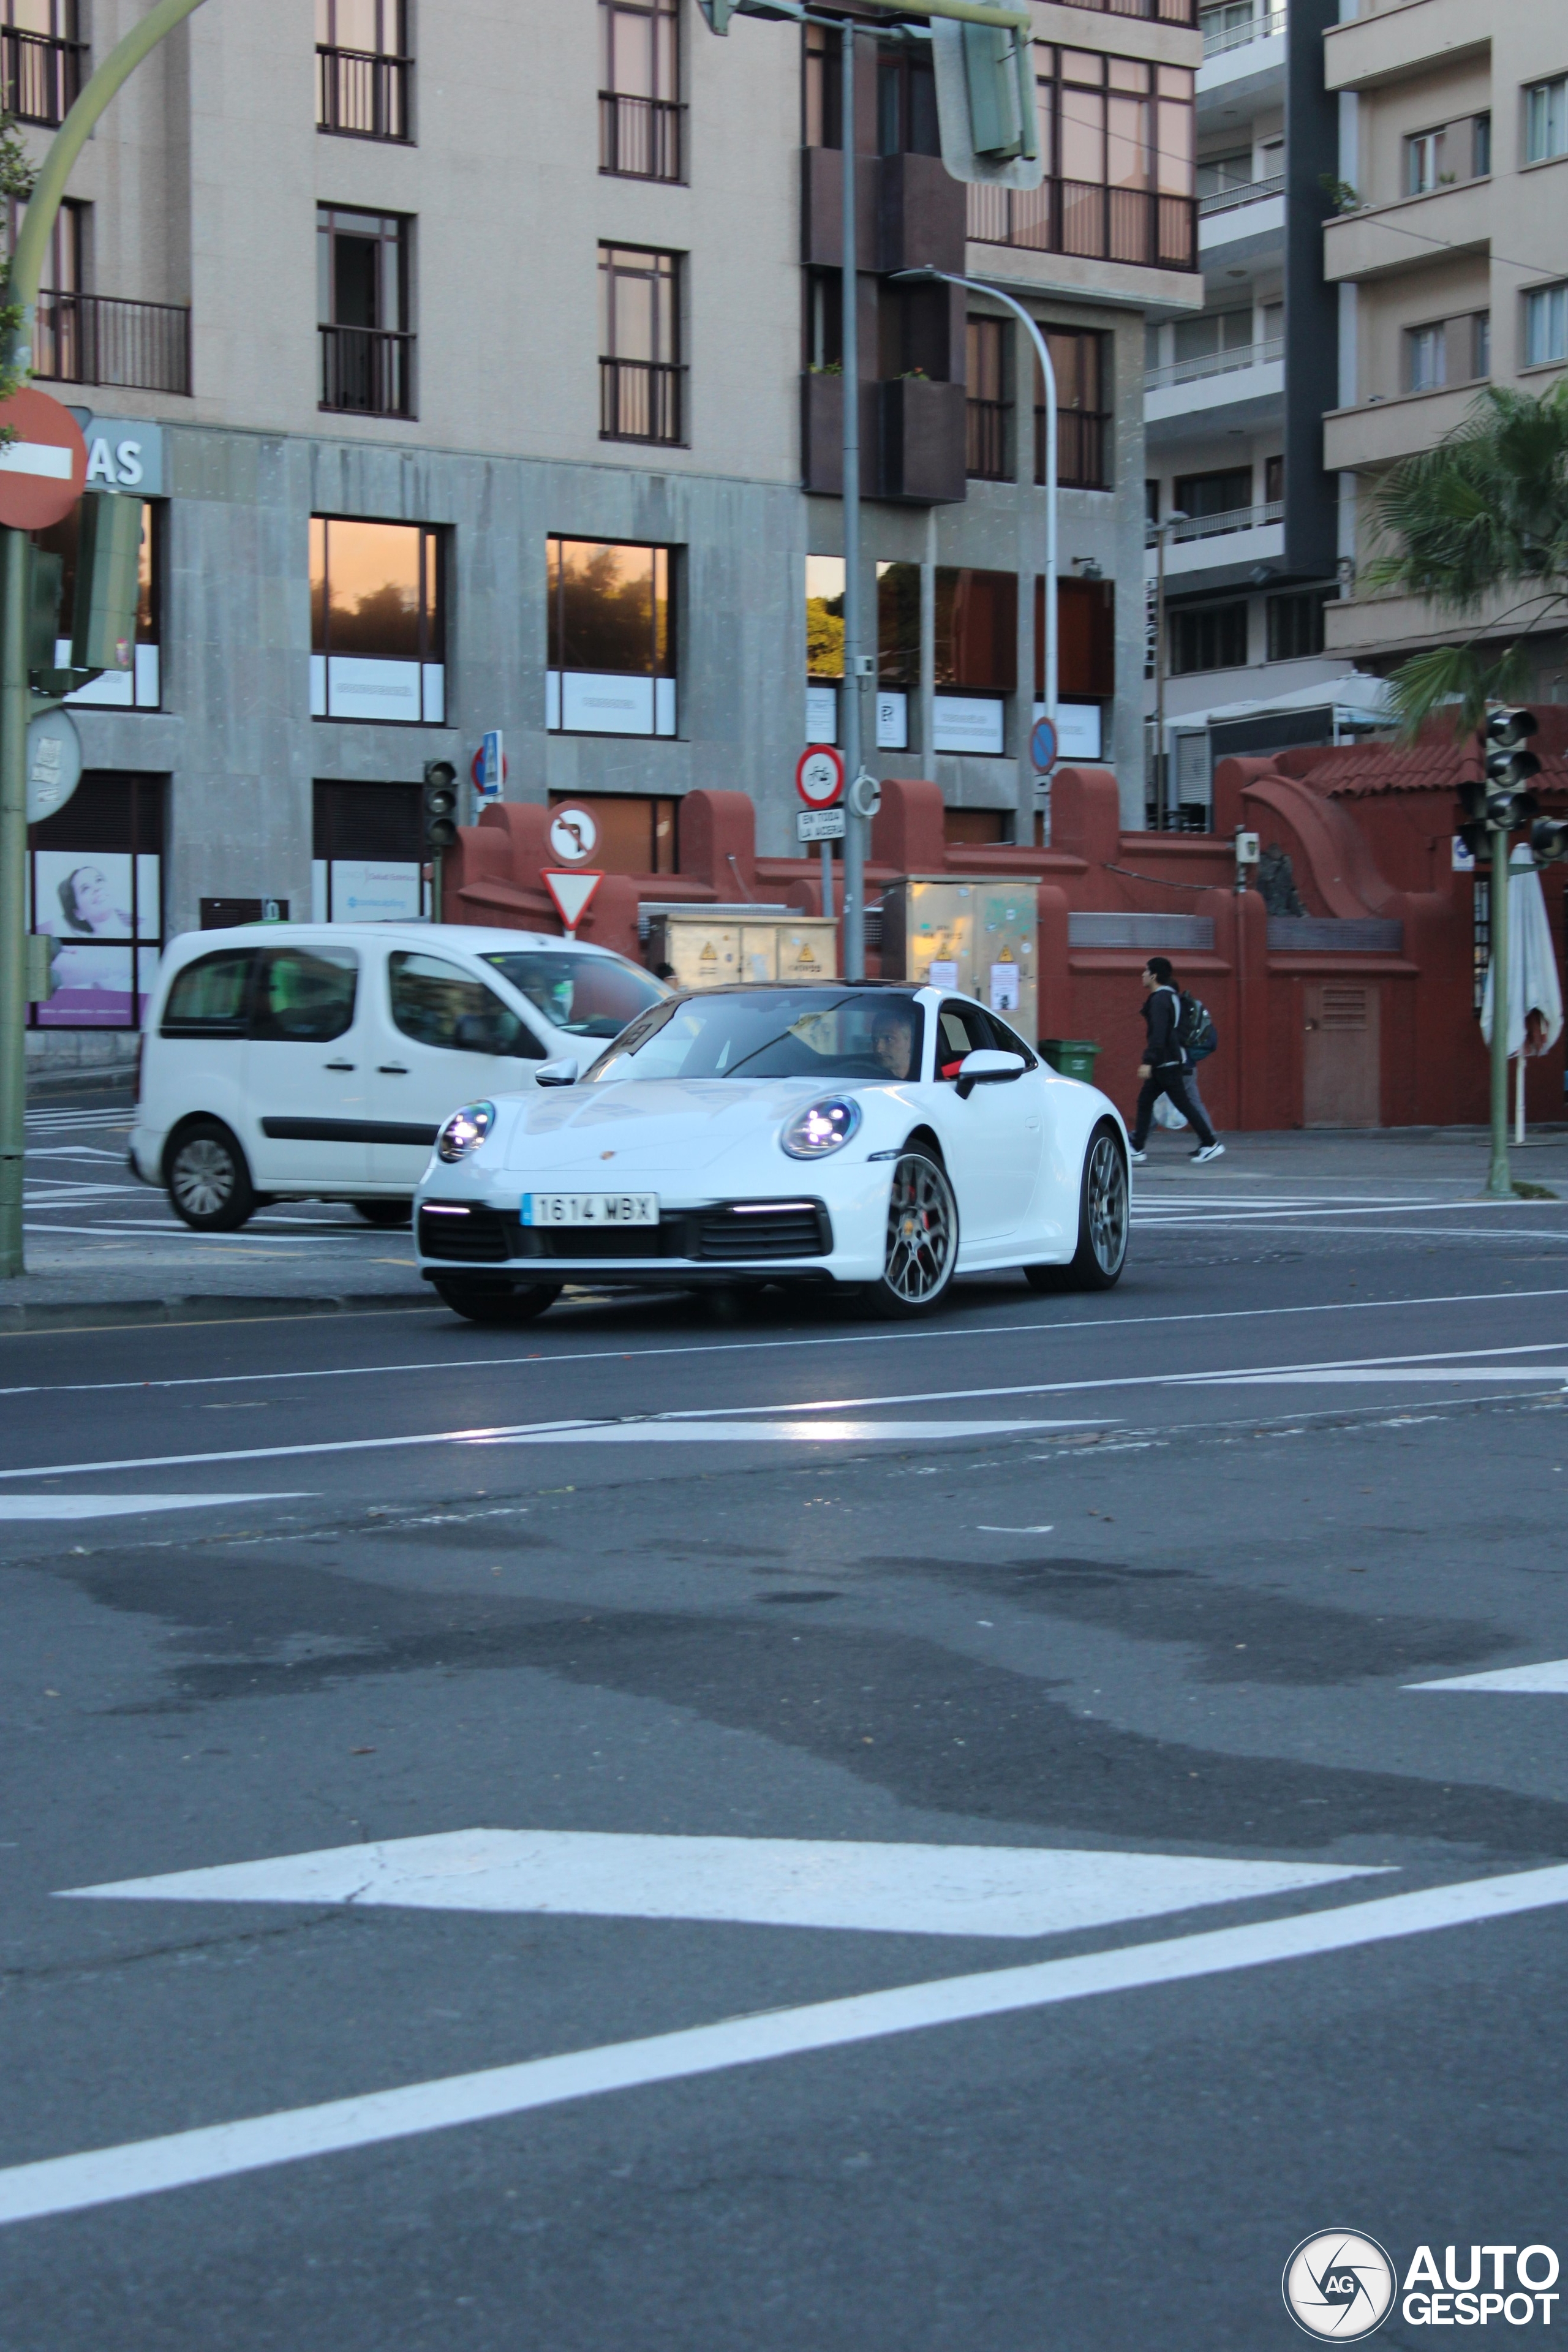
x,y
481,1302
208,1182
384,1213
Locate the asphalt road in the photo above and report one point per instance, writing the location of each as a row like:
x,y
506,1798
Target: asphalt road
x,y
933,1837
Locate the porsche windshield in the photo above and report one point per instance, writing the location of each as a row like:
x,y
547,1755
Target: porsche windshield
x,y
776,1033
591,996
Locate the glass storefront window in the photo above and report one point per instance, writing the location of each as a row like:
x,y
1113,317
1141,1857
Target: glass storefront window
x,y
141,688
377,626
96,889
612,656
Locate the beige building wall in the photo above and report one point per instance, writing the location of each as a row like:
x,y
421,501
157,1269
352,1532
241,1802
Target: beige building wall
x,y
1473,244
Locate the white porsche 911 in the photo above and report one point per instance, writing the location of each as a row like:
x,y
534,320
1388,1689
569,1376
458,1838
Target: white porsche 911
x,y
864,1134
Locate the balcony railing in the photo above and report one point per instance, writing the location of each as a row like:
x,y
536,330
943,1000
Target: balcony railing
x,y
1221,525
362,95
1161,12
1209,364
986,450
367,371
1082,437
98,339
40,74
639,138
640,400
1218,37
1082,218
1251,192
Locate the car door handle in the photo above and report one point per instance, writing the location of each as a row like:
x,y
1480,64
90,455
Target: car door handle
x,y
337,1065
392,1070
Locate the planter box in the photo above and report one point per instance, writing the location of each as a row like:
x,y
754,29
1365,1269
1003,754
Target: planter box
x,y
921,214
924,441
822,436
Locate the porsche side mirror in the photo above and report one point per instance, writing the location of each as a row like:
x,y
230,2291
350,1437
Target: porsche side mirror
x,y
564,1072
987,1067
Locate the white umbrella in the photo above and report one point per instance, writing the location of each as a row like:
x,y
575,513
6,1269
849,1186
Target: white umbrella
x,y
1533,986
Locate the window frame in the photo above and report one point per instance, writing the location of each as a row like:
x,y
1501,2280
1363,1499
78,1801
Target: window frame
x,y
661,140
430,625
664,640
1555,83
1223,609
664,378
140,819
1555,294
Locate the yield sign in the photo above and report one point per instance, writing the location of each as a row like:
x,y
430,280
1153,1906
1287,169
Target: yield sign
x,y
42,471
571,892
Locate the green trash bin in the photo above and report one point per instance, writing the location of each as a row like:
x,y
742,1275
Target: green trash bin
x,y
1073,1057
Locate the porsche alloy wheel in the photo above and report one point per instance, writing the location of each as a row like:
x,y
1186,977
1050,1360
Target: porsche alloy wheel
x,y
922,1237
1102,1235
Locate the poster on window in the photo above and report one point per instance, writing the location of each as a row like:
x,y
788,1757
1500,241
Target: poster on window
x,y
86,904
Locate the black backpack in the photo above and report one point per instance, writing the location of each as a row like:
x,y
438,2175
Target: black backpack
x,y
1196,1032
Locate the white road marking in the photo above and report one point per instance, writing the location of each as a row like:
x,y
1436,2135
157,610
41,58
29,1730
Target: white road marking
x,y
106,2175
1351,1376
1550,1676
689,1431
118,1506
947,1333
901,1890
980,1528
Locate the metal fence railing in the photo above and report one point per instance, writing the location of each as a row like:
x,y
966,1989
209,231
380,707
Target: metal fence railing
x,y
1082,218
985,459
1083,440
1211,363
1160,12
1251,192
1218,37
639,138
40,75
640,400
362,95
1231,520
367,371
98,339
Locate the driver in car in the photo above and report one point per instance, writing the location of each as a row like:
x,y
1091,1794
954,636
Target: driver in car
x,y
893,1042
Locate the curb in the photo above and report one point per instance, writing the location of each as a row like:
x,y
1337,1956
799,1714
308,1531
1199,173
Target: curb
x,y
94,1315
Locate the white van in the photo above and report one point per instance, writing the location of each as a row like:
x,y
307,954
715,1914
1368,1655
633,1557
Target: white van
x,y
296,1061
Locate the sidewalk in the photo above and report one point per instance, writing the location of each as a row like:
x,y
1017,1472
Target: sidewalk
x,y
1453,1159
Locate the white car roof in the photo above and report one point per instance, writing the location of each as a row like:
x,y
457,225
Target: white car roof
x,y
468,938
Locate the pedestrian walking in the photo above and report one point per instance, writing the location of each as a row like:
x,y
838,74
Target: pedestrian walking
x,y
1164,1068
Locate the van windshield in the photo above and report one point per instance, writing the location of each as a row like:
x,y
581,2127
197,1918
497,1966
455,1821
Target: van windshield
x,y
773,1033
589,995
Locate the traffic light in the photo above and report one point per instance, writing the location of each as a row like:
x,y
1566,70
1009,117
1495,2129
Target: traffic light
x,y
1508,767
440,804
107,582
1548,840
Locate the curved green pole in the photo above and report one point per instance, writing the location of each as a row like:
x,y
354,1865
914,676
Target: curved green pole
x,y
26,268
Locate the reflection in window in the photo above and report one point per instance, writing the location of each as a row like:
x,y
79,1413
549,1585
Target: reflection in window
x,y
824,646
96,884
211,997
305,996
438,1003
592,996
612,652
140,687
377,633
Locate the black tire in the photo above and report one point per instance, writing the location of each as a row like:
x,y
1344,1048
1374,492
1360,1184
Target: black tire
x,y
923,1238
207,1180
385,1212
491,1302
1102,1221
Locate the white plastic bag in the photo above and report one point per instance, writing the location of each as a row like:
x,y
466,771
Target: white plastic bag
x,y
1167,1115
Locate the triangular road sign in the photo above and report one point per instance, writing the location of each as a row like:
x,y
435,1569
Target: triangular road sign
x,y
571,892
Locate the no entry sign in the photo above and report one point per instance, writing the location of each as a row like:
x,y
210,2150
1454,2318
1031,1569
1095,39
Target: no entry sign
x,y
42,471
819,776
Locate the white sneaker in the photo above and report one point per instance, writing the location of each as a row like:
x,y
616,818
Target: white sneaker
x,y
1209,1151
1137,1157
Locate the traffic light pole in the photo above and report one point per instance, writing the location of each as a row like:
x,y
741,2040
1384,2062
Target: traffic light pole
x,y
1500,1175
849,339
26,268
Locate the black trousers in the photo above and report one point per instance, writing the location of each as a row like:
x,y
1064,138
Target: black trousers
x,y
1172,1083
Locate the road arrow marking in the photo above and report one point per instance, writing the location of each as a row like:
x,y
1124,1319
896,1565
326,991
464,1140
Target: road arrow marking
x,y
118,1506
1553,1675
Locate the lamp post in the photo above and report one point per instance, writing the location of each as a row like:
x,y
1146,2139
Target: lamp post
x,y
928,275
26,268
1162,788
849,339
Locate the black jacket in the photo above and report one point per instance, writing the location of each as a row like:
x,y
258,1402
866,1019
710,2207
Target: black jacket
x,y
1161,1019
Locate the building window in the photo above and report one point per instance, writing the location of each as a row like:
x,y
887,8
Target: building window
x,y
906,103
1208,636
141,686
1080,364
41,59
988,400
96,879
377,624
1448,350
824,646
1426,162
639,345
1480,146
1426,358
640,90
821,90
362,288
976,657
1221,176
368,854
1086,639
1545,325
638,833
363,72
824,322
1117,139
1223,502
1274,480
1296,625
1546,120
612,654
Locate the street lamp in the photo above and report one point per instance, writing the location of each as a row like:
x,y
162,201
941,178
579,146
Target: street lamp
x,y
1162,802
1042,352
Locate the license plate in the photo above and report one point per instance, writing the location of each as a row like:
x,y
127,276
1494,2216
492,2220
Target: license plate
x,y
590,1208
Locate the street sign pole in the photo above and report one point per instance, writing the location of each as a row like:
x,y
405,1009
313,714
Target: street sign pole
x,y
1500,1174
26,269
849,338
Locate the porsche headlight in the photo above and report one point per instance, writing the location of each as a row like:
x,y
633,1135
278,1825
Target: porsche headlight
x,y
822,1128
465,1131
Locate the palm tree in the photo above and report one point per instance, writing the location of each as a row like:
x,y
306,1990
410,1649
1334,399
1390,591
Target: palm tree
x,y
1482,516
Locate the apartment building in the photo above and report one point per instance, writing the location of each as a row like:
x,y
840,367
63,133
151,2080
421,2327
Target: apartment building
x,y
1449,262
1234,397
480,367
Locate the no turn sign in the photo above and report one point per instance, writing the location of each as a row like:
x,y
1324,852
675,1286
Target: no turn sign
x,y
819,777
42,471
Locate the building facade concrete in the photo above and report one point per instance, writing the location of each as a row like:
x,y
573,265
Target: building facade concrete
x,y
533,288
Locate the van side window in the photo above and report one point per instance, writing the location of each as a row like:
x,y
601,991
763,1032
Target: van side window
x,y
211,997
305,996
960,1029
437,1004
